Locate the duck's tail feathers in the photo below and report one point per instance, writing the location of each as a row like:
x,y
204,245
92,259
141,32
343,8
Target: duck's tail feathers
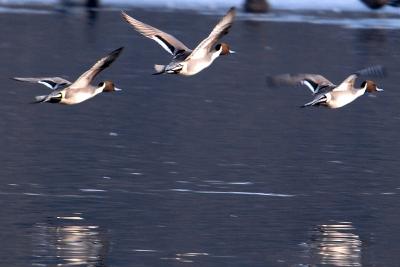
x,y
160,69
40,99
395,3
317,101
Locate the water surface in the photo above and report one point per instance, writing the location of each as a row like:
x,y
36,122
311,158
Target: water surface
x,y
212,170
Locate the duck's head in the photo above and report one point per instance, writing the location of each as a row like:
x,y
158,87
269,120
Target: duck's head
x,y
223,49
370,86
108,86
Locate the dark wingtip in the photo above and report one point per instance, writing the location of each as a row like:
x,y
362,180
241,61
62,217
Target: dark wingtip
x,y
157,73
111,57
269,81
375,71
18,79
274,81
281,80
232,10
118,50
37,102
125,16
384,71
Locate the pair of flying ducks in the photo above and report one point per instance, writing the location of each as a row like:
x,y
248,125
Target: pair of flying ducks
x,y
184,62
188,62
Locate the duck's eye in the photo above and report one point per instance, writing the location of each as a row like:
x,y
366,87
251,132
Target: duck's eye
x,y
101,84
217,47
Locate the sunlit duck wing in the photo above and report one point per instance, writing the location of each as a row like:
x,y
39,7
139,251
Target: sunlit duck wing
x,y
347,84
85,79
315,82
50,82
219,30
167,41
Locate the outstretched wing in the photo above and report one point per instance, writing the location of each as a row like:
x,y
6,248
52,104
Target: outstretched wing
x,y
167,41
219,30
50,82
314,82
85,79
373,71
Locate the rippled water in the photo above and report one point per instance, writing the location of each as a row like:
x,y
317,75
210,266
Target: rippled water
x,y
212,170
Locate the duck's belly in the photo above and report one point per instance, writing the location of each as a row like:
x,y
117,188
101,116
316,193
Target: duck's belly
x,y
340,101
194,67
76,98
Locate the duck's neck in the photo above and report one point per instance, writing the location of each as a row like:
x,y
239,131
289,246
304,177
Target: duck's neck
x,y
98,90
215,55
361,91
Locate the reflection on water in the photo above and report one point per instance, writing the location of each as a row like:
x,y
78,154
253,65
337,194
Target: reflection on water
x,y
67,244
335,244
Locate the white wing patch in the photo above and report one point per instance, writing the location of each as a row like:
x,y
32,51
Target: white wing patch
x,y
164,45
48,85
309,85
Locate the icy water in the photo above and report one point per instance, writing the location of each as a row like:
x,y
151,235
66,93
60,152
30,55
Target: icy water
x,y
212,170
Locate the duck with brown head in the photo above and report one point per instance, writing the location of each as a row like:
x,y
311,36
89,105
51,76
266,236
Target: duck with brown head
x,y
370,86
108,86
327,93
224,49
81,89
186,61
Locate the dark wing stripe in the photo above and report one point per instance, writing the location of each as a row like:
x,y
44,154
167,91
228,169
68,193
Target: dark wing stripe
x,y
170,47
226,31
313,84
51,84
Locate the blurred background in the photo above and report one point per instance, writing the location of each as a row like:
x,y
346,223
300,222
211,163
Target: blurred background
x,y
218,169
250,5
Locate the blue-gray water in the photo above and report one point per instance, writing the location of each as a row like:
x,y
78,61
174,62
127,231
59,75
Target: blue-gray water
x,y
212,170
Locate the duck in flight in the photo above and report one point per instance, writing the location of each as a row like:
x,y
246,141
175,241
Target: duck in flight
x,y
79,90
186,61
327,93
